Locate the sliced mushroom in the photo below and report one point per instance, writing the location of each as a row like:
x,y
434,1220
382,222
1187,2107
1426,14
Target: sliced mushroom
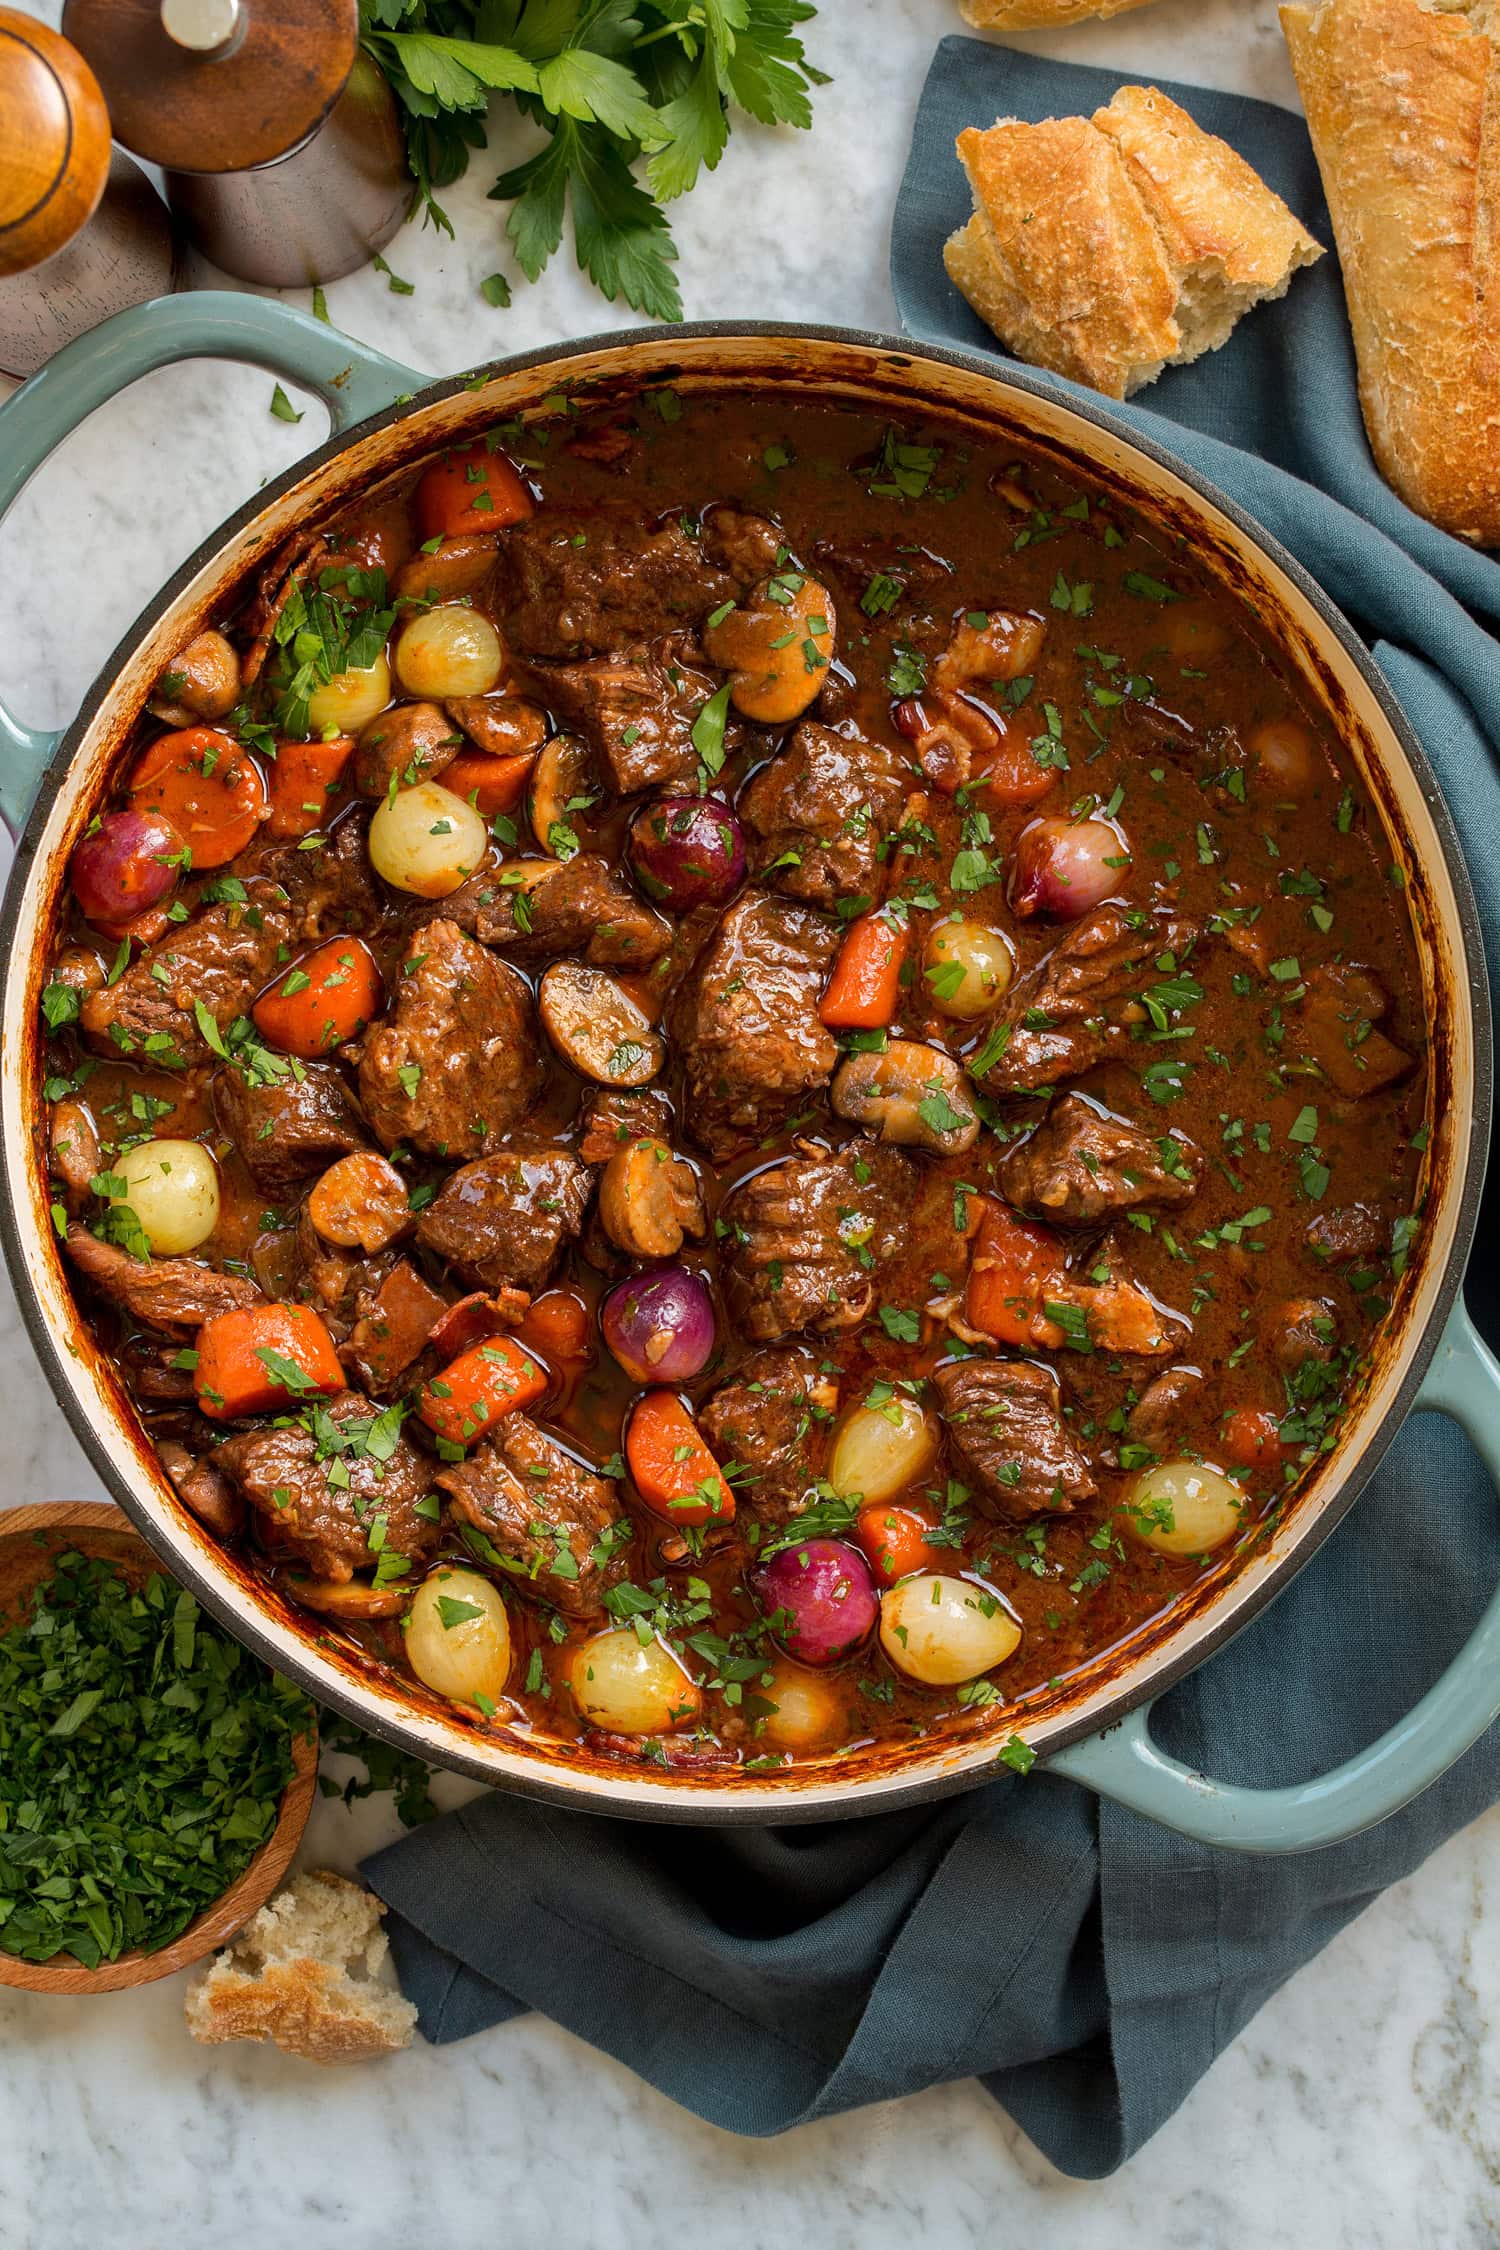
x,y
777,643
353,1600
75,1151
361,1203
597,1028
504,725
412,742
201,682
452,570
562,786
913,1095
649,1199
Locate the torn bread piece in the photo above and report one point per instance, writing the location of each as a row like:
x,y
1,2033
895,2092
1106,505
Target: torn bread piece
x,y
1108,248
305,1972
1040,15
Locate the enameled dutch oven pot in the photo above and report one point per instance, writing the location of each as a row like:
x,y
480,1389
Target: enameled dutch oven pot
x,y
1092,1728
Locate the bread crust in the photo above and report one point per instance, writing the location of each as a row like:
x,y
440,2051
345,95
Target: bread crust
x,y
1040,15
1107,247
1403,103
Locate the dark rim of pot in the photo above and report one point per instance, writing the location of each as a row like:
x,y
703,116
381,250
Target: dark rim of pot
x,y
766,1802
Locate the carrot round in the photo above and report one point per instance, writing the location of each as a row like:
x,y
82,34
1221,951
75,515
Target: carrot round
x,y
492,785
865,986
557,1324
207,785
322,1000
474,1391
894,1543
1017,1265
674,1472
1012,776
470,489
262,1357
307,785
1252,1438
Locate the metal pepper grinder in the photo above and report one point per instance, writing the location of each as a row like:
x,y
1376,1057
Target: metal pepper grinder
x,y
83,233
280,140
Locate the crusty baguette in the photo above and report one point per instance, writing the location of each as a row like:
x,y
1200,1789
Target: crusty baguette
x,y
1107,248
1404,105
304,1973
1040,15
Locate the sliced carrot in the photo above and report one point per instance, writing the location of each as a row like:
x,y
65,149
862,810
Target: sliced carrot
x,y
674,1472
470,489
865,987
307,785
475,1390
492,785
322,1000
558,1326
208,786
1017,1266
894,1543
261,1357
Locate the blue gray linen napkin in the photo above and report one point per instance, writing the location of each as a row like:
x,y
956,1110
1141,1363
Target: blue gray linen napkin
x,y
1086,1965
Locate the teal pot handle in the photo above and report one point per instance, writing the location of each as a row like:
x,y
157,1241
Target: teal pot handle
x,y
1126,1765
350,379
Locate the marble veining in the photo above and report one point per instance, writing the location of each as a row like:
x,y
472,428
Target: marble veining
x,y
1358,2111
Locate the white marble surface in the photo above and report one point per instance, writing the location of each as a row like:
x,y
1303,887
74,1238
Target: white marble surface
x,y
1361,2111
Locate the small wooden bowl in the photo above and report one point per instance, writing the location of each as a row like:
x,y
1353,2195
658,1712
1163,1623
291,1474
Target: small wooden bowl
x,y
31,1539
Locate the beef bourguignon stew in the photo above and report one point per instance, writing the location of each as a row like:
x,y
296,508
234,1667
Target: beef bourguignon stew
x,y
732,1082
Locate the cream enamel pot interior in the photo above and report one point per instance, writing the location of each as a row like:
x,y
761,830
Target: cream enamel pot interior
x,y
1092,1728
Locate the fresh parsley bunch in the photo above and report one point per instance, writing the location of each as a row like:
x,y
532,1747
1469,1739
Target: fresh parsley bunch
x,y
612,83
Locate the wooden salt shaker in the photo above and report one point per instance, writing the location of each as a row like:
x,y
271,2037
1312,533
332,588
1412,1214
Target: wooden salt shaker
x,y
280,141
83,233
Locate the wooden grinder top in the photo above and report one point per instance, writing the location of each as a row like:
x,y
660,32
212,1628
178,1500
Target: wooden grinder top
x,y
216,85
54,142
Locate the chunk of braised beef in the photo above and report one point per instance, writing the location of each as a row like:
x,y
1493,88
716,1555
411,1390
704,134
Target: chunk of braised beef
x,y
577,581
300,1263
202,1486
636,708
748,546
455,1062
1004,1418
330,886
820,813
745,1020
391,1335
538,1513
1081,1002
504,1220
1355,1230
1338,1028
581,907
339,1485
611,1119
163,1293
806,1240
471,1319
288,1127
219,959
768,1427
1083,1164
